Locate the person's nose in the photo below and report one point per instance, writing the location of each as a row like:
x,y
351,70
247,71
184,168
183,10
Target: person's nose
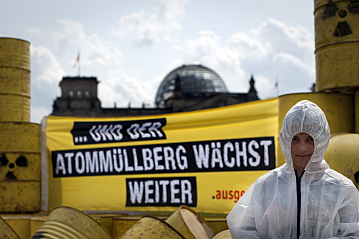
x,y
302,147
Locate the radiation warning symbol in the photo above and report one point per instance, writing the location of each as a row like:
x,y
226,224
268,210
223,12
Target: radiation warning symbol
x,y
331,10
21,161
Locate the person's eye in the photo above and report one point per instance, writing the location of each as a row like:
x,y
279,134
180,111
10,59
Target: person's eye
x,y
295,138
310,139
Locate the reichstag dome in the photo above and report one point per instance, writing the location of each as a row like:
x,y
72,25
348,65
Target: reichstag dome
x,y
195,79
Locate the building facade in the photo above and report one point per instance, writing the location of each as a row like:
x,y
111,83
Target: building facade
x,y
186,88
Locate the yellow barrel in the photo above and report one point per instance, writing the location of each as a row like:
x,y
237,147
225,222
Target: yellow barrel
x,y
356,109
122,224
342,154
6,231
20,167
225,234
336,45
190,224
14,80
151,227
217,224
20,196
68,223
107,220
337,107
19,137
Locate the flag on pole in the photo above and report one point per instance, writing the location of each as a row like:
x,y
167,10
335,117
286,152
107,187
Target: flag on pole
x,y
77,59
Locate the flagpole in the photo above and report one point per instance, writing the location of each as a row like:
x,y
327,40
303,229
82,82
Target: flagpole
x,y
79,66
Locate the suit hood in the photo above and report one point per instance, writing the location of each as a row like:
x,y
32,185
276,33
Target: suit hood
x,y
306,117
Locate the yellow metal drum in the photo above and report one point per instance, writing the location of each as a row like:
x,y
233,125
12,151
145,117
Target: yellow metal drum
x,y
342,154
70,223
6,231
190,224
122,224
15,108
19,167
15,53
336,45
151,227
225,234
19,137
19,196
337,107
14,80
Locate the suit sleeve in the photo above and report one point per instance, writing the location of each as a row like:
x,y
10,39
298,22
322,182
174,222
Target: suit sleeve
x,y
241,220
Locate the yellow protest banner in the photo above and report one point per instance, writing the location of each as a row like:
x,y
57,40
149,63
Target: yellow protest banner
x,y
203,159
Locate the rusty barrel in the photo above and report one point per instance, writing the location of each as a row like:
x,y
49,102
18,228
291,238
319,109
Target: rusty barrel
x,y
151,227
190,224
70,223
336,45
14,80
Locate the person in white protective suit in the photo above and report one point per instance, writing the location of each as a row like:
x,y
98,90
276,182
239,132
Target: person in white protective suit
x,y
303,198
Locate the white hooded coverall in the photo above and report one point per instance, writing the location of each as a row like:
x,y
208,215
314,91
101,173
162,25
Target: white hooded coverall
x,y
328,202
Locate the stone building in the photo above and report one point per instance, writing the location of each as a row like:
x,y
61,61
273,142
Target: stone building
x,y
186,88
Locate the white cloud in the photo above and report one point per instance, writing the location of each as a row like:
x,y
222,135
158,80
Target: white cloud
x,y
45,66
124,89
147,28
72,33
272,51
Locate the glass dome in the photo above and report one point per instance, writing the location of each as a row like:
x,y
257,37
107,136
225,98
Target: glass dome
x,y
195,79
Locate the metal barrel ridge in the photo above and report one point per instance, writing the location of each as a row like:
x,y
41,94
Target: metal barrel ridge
x,y
190,224
6,231
67,223
336,45
151,227
14,80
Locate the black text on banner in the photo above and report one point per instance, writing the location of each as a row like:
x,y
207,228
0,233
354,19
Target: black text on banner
x,y
206,156
117,131
167,191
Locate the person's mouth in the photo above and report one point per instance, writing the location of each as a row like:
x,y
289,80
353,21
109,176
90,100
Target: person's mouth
x,y
303,156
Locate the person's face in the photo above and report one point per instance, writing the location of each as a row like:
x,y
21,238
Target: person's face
x,y
302,149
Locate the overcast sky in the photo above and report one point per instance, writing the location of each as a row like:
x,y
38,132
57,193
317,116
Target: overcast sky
x,y
130,46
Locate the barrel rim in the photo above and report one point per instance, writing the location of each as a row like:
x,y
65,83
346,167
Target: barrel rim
x,y
14,38
322,5
166,223
84,214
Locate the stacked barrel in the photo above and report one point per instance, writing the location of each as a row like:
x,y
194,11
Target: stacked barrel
x,y
19,139
337,82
